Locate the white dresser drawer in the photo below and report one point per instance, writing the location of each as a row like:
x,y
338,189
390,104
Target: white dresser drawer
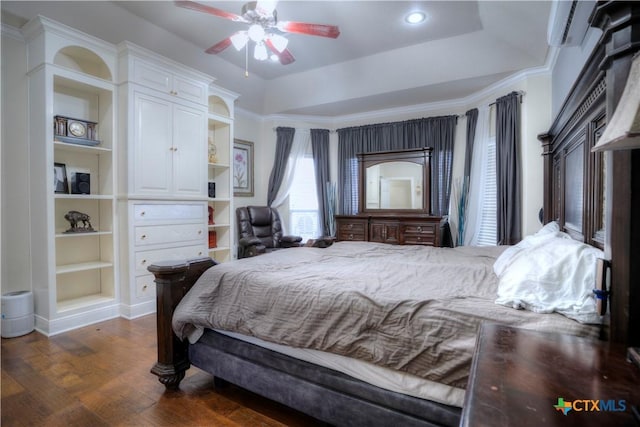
x,y
145,213
145,258
169,234
145,287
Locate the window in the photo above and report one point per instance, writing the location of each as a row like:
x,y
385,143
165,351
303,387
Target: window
x,y
303,201
487,233
481,213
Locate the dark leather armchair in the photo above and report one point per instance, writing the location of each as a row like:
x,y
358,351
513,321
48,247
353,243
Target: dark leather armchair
x,y
260,230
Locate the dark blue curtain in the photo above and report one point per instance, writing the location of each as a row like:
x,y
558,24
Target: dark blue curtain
x,y
320,149
508,169
284,142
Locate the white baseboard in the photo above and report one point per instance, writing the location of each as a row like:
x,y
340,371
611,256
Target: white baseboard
x,y
75,321
138,310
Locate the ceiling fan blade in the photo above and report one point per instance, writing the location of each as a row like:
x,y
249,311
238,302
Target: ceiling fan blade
x,y
285,57
220,46
210,10
331,31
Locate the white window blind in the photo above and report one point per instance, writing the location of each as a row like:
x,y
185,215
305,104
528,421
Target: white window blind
x,y
487,234
303,201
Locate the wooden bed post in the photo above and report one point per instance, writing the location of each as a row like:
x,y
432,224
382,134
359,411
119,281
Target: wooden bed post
x,y
173,280
547,153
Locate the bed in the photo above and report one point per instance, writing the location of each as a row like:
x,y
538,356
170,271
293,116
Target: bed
x,y
425,385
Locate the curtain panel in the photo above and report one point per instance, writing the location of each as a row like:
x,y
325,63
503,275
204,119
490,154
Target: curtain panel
x,y
508,170
472,120
434,132
320,149
284,142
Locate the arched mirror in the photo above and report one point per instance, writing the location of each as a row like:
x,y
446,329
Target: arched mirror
x,y
395,181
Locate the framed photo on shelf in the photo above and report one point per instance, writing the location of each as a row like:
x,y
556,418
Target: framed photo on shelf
x,y
60,183
242,168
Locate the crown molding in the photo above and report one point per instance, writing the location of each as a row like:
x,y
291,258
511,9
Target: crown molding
x,y
12,32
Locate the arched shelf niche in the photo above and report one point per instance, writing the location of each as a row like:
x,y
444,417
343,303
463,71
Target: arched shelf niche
x,y
83,60
218,106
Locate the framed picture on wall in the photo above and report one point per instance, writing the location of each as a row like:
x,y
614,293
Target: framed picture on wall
x,y
242,168
60,183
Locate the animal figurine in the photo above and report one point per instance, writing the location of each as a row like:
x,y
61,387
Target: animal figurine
x,y
75,218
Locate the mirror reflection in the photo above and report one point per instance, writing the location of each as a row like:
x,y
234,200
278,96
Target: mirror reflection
x,y
394,185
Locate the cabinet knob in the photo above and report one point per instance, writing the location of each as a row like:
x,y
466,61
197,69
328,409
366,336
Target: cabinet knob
x,y
173,92
200,253
350,236
350,226
419,229
144,236
142,213
144,261
144,287
199,231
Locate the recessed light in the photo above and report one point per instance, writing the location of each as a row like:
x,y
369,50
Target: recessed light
x,y
415,17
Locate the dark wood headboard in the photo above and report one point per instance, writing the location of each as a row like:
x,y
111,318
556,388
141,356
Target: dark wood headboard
x,y
595,196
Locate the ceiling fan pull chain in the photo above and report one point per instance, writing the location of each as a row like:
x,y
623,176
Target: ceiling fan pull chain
x,y
246,61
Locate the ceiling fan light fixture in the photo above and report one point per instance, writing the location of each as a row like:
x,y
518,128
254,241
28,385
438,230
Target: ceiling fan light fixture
x,y
279,42
239,40
256,33
260,52
415,17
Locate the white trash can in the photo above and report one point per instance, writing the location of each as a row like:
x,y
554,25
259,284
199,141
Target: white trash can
x,y
17,314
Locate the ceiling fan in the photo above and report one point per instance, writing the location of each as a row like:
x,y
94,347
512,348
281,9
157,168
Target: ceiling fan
x,y
264,29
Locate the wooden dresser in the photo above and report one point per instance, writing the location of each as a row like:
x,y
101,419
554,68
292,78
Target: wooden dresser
x,y
399,229
526,378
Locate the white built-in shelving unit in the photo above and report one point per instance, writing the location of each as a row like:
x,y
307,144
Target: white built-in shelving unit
x,y
220,172
74,274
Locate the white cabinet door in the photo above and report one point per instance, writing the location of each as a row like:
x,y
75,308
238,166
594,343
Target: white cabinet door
x,y
153,144
189,135
170,145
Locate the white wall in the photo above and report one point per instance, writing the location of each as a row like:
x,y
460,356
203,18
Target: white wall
x,y
16,260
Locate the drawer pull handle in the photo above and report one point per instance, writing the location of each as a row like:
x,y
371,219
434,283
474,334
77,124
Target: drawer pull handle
x,y
144,261
199,231
350,236
144,287
144,236
419,229
142,213
199,253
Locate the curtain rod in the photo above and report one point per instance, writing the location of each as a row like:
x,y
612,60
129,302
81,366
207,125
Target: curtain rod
x,y
519,92
330,130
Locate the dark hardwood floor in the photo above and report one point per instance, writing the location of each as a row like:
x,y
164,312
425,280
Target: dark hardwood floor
x,y
99,376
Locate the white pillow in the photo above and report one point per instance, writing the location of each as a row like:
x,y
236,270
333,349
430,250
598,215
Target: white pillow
x,y
548,273
549,231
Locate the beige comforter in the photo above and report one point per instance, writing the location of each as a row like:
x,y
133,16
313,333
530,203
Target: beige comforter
x,y
409,308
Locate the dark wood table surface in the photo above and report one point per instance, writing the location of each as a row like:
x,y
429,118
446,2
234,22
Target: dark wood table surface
x,y
518,378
